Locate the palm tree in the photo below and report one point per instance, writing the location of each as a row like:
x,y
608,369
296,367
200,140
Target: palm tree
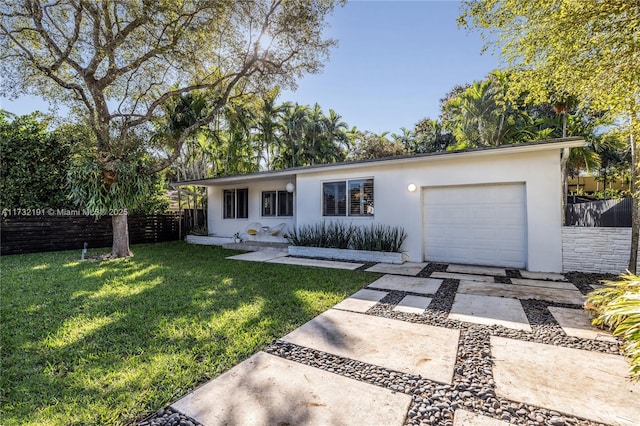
x,y
290,149
268,125
406,138
481,115
338,133
314,132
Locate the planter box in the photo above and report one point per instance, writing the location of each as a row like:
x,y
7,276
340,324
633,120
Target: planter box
x,y
208,241
345,254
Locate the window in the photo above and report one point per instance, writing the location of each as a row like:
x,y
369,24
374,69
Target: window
x,y
277,203
235,203
242,198
229,211
269,203
285,203
358,201
334,197
361,197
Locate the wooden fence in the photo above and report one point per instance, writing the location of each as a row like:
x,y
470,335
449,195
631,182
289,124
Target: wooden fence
x,y
33,234
602,213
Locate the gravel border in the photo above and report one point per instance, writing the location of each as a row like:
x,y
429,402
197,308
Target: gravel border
x,y
473,387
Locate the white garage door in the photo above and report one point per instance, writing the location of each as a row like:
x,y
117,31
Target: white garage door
x,y
476,224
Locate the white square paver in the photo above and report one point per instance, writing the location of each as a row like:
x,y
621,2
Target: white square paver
x,y
479,270
362,300
410,284
586,384
467,418
258,256
413,304
418,349
577,323
269,390
489,310
563,285
466,277
302,261
573,297
407,268
542,276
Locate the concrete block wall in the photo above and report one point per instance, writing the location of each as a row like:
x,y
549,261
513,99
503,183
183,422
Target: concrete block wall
x,y
587,249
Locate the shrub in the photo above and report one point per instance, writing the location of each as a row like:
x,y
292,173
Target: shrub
x,y
340,235
323,234
617,307
379,238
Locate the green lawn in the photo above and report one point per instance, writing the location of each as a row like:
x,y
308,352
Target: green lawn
x,y
108,342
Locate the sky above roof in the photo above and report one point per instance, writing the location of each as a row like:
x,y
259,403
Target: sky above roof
x,y
394,61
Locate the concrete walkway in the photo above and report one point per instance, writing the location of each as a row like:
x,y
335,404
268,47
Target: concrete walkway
x,y
462,345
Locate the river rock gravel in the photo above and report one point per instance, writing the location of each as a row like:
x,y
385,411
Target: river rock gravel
x,y
473,387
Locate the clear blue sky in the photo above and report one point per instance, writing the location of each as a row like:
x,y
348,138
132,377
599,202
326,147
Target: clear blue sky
x,y
395,60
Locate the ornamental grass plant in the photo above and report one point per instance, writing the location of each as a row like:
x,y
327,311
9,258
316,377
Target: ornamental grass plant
x,y
617,307
375,237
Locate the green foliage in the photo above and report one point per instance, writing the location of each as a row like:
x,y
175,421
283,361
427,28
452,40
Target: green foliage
x,y
588,49
307,136
378,237
338,234
33,164
371,145
156,199
123,66
114,189
328,234
429,136
617,307
609,194
110,342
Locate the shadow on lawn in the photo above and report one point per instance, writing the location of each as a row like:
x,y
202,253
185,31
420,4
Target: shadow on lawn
x,y
107,342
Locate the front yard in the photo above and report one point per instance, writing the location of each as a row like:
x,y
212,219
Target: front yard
x,y
109,342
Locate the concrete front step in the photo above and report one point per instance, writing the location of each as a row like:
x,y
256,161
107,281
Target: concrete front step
x,y
257,246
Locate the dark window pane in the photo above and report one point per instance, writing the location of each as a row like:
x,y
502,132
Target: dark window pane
x,y
229,204
334,199
243,203
361,197
285,203
269,203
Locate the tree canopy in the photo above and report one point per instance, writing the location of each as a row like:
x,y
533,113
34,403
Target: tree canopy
x,y
117,63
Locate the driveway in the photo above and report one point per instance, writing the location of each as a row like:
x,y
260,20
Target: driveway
x,y
431,344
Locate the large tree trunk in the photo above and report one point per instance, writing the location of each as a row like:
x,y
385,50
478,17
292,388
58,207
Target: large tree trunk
x,y
120,247
635,216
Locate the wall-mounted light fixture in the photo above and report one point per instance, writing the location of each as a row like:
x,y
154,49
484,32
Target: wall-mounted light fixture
x,y
412,187
289,187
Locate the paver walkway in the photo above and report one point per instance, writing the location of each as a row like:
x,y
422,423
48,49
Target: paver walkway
x,y
458,345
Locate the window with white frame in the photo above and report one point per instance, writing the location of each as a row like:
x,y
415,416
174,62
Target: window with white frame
x,y
235,203
348,198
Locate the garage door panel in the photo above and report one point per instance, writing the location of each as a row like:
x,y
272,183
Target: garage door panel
x,y
479,224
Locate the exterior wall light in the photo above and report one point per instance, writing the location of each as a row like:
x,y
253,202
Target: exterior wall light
x,y
289,187
412,187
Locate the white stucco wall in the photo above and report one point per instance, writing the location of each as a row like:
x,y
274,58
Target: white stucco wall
x,y
396,206
228,227
587,249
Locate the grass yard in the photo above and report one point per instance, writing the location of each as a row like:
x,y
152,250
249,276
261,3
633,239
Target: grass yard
x,y
110,342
